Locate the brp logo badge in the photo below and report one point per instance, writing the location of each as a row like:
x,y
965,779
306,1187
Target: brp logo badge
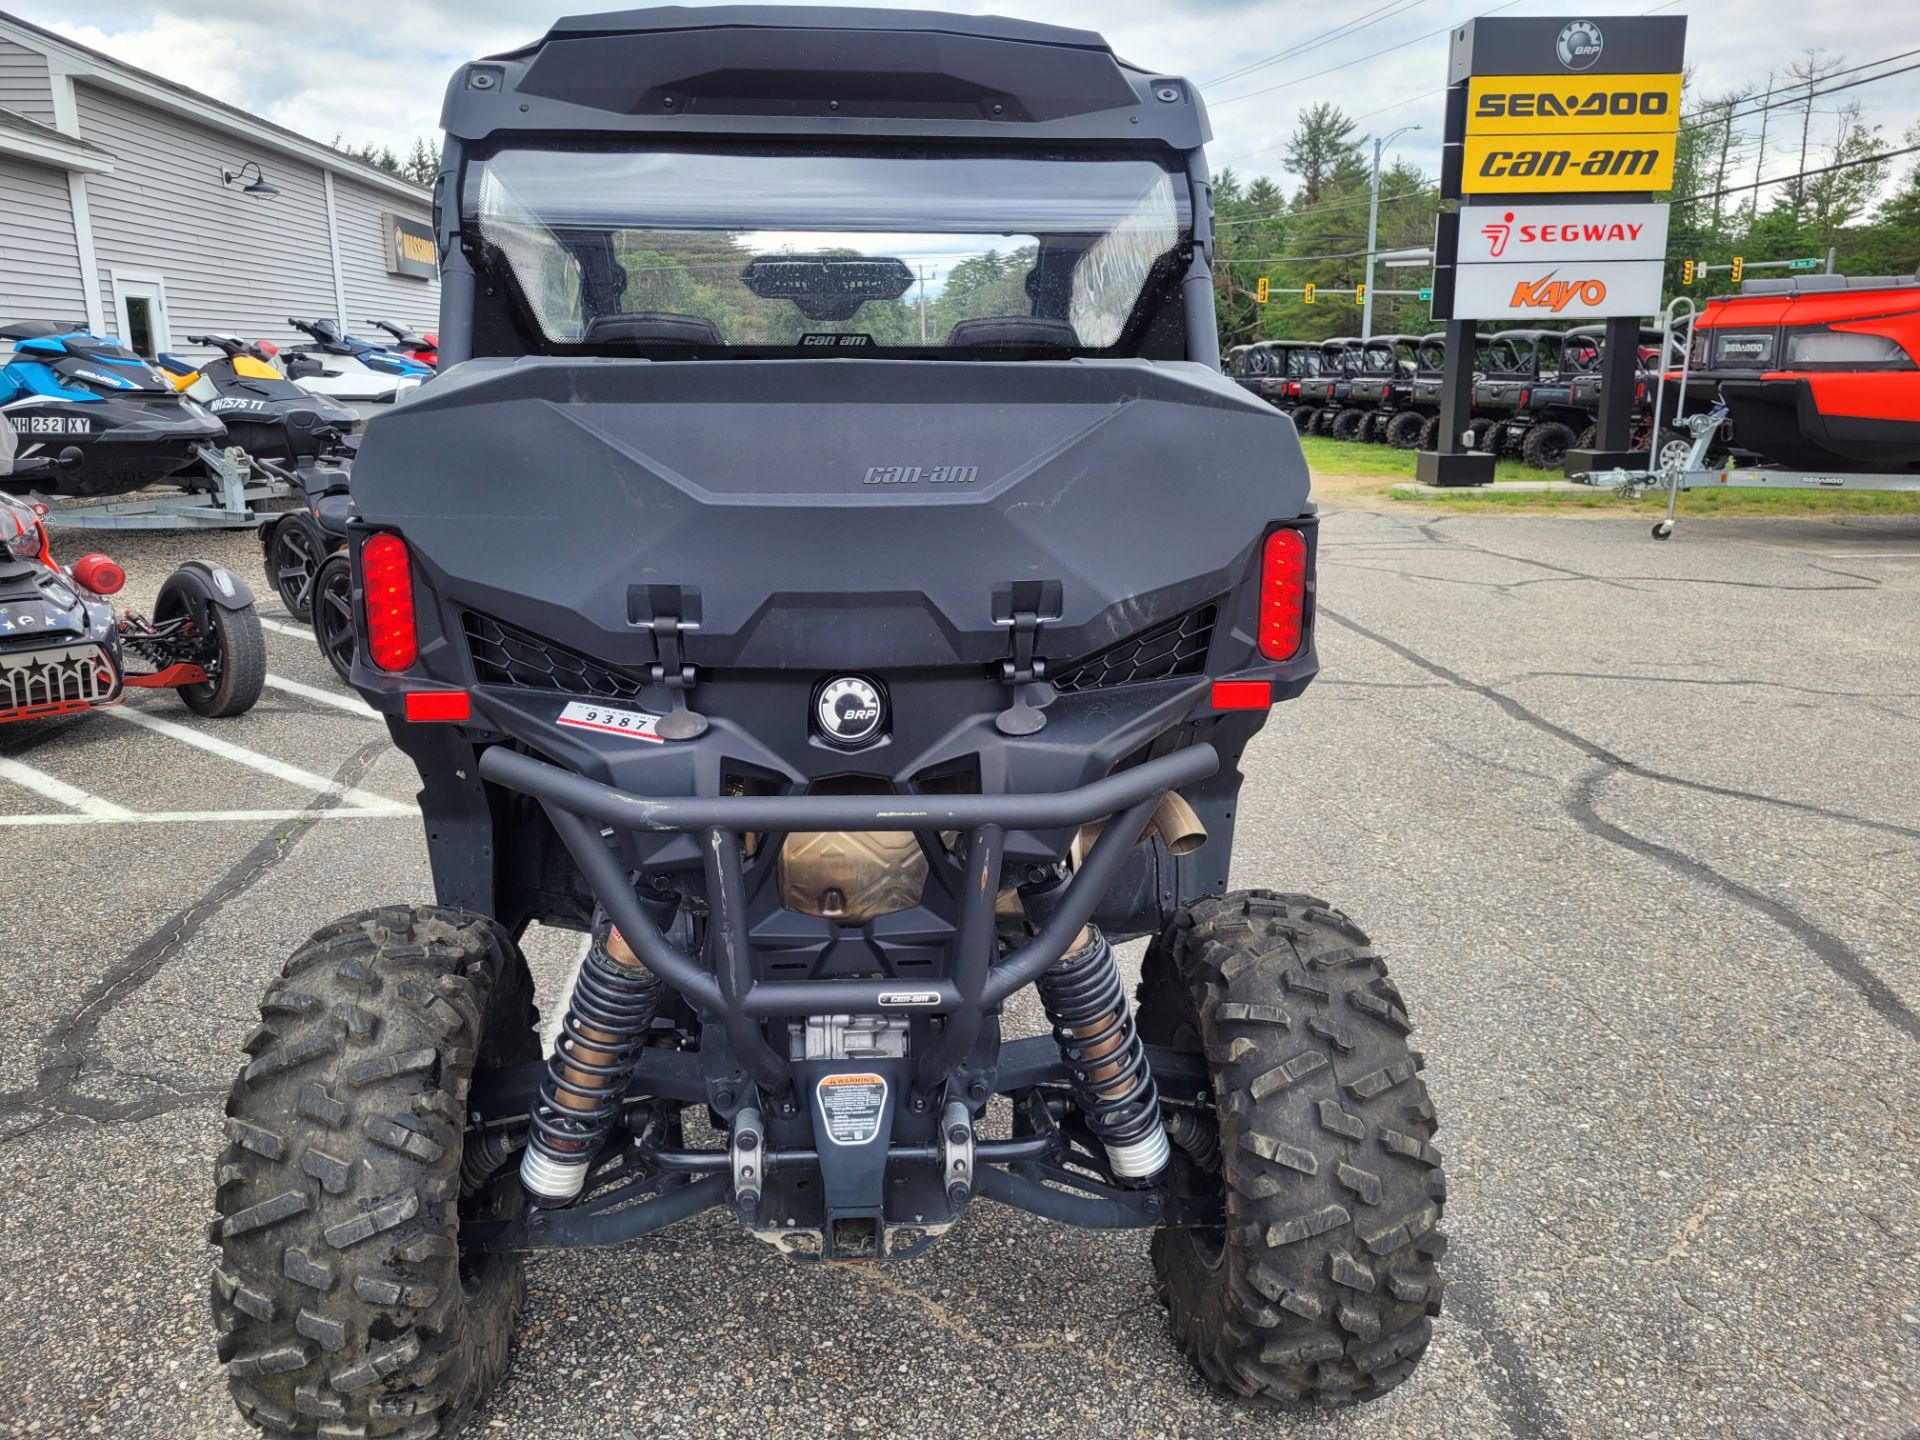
x,y
849,711
1579,45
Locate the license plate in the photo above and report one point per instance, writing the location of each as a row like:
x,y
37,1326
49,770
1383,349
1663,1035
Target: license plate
x,y
53,425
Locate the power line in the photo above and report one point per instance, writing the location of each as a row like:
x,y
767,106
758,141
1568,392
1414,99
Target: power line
x,y
1799,100
1803,175
1360,60
1338,32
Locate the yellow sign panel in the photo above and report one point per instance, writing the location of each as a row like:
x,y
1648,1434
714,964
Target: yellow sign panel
x,y
1573,105
1570,164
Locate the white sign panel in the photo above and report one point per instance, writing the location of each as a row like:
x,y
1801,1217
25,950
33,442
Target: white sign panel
x,y
1572,291
1546,235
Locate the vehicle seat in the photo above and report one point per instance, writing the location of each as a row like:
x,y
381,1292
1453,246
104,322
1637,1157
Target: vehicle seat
x,y
1012,330
651,328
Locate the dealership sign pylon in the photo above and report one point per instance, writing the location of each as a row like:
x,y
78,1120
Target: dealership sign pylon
x,y
1559,132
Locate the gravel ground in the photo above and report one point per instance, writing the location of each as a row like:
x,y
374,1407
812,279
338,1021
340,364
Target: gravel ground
x,y
1638,825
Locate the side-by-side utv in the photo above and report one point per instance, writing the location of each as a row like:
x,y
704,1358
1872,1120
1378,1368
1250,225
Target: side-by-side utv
x,y
842,659
1324,395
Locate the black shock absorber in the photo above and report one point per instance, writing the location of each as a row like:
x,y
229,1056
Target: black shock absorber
x,y
1087,1005
613,1005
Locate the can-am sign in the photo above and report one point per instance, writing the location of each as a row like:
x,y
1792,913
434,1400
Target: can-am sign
x,y
1549,235
1571,291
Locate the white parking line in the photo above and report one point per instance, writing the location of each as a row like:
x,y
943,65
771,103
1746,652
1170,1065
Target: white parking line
x,y
92,808
351,703
280,627
204,817
265,764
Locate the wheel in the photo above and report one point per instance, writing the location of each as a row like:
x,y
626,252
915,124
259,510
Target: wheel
x,y
1430,433
1477,435
1319,1289
1662,529
333,614
342,1300
295,552
1545,445
1587,437
1405,430
1318,421
1350,425
239,669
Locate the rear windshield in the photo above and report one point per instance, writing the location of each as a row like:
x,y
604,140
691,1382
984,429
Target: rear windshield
x,y
702,251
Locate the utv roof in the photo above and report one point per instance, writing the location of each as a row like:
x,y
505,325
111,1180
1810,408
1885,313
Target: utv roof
x,y
816,71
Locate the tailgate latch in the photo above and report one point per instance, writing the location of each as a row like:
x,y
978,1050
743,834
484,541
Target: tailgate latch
x,y
1023,607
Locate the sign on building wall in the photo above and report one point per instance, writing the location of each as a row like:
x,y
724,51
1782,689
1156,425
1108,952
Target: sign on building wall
x,y
410,248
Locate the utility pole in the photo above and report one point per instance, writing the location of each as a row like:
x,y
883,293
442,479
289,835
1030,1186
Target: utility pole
x,y
923,304
1373,229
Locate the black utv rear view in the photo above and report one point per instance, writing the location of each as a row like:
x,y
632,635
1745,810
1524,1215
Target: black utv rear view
x,y
831,573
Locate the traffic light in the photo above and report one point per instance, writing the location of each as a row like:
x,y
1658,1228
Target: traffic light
x,y
1260,291
1686,272
1739,268
1360,294
1307,297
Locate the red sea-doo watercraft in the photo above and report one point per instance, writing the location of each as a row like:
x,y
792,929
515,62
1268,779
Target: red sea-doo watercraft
x,y
424,347
64,390
1817,373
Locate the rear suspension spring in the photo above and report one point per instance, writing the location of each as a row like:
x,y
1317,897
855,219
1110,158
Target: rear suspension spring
x,y
1086,1003
613,1005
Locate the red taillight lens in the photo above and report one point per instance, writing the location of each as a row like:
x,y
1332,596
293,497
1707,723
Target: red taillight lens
x,y
1526,398
386,572
99,574
1283,594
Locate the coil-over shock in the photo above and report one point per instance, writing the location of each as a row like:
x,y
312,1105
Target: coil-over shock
x,y
613,1005
1086,1003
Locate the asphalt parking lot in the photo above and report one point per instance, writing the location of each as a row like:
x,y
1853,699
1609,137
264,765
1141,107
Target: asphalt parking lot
x,y
1638,825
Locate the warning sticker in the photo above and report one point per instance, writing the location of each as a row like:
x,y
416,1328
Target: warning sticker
x,y
634,724
851,1106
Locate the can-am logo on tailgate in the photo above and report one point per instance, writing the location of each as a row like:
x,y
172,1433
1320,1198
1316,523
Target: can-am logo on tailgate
x,y
1548,293
921,474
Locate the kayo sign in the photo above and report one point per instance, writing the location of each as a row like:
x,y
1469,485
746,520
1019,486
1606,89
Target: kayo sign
x,y
1568,291
1549,235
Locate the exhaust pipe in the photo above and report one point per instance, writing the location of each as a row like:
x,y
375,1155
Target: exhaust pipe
x,y
1177,825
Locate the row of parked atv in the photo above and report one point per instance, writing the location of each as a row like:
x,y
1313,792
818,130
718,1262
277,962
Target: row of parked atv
x,y
1536,393
82,416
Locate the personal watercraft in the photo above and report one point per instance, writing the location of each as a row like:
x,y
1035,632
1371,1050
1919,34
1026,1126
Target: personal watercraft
x,y
424,347
357,373
119,424
277,421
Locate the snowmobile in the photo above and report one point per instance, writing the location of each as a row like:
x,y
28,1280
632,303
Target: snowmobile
x,y
64,650
62,390
832,725
357,373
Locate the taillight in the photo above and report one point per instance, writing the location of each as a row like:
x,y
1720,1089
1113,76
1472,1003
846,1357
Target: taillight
x,y
386,572
1526,397
1283,594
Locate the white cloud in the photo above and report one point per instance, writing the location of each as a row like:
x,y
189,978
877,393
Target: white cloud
x,y
375,71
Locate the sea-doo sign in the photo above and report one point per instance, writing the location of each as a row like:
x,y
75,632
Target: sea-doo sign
x,y
1603,104
1550,235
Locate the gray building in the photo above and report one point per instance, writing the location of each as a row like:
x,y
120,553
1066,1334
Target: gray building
x,y
114,210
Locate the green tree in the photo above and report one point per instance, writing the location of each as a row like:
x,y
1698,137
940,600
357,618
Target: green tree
x,y
1323,151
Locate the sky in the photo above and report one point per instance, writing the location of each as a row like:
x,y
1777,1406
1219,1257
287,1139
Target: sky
x,y
374,70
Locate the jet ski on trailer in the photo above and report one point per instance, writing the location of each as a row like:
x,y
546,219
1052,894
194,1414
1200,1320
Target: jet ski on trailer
x,y
115,423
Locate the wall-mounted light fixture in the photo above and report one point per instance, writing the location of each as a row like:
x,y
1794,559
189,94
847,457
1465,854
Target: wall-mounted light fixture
x,y
259,186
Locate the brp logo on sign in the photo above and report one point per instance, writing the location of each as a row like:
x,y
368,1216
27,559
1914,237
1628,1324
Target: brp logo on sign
x,y
1579,45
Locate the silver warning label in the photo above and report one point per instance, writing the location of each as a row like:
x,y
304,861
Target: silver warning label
x,y
851,1106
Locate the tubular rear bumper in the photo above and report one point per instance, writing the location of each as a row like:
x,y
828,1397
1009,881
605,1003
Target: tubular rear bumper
x,y
728,992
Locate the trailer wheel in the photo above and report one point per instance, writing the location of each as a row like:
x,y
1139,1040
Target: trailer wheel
x,y
1350,425
341,1297
1545,445
1405,430
1319,1289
